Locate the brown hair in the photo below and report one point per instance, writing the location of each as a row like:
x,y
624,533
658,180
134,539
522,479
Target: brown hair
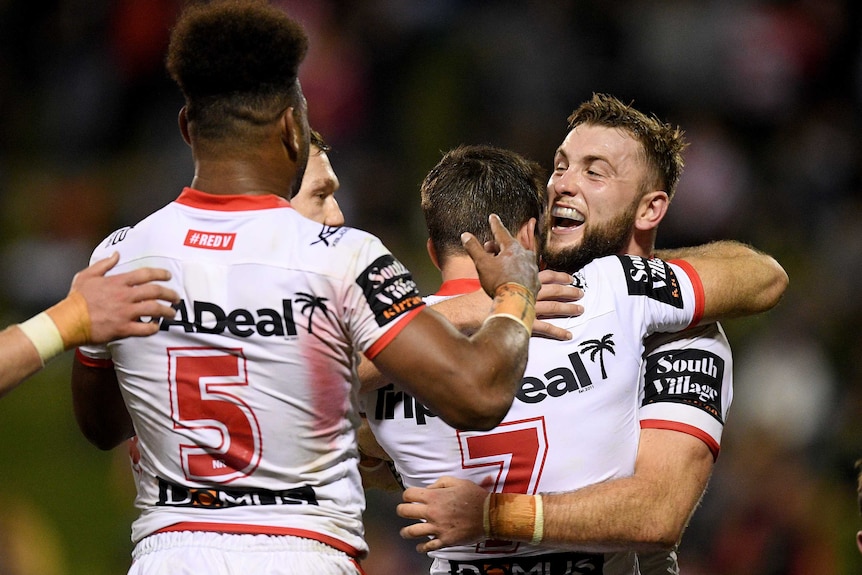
x,y
472,182
662,144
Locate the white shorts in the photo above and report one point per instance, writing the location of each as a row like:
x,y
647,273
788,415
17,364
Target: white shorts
x,y
204,553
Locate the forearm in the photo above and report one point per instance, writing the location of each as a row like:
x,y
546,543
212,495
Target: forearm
x,y
469,382
28,346
18,358
647,511
613,516
738,280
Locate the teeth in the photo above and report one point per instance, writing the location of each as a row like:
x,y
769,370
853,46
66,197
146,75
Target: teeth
x,y
568,213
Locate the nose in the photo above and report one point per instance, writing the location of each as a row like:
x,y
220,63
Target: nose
x,y
563,184
334,216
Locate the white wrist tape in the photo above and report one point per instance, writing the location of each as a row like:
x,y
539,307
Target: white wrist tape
x,y
43,333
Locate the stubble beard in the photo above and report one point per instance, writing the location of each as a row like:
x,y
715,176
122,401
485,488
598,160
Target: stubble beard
x,y
598,241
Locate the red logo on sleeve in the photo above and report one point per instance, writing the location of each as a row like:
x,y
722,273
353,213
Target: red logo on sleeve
x,y
209,240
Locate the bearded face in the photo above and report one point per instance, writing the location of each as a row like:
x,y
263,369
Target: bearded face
x,y
598,240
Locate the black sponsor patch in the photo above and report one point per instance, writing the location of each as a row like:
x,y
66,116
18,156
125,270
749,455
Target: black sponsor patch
x,y
549,564
389,289
652,278
689,376
174,495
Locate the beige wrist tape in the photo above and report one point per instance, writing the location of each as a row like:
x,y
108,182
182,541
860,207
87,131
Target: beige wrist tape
x,y
514,517
44,336
516,302
61,327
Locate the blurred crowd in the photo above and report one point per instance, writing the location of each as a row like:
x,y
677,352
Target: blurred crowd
x,y
768,92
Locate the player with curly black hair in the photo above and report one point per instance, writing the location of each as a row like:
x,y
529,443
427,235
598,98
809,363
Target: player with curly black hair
x,y
242,407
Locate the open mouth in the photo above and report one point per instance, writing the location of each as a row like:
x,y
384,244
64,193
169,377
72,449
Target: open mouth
x,y
566,218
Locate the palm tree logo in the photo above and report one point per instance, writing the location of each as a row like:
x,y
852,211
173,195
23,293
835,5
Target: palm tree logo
x,y
599,347
312,303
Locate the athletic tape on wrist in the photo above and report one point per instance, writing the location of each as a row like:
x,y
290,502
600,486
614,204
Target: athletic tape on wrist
x,y
44,335
513,516
72,319
514,301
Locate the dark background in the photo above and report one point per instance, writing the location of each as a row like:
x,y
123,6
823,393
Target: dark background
x,y
768,93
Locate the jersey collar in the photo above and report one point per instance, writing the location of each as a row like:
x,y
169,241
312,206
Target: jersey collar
x,y
459,286
230,203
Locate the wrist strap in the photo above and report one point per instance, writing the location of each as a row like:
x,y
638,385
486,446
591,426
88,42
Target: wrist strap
x,y
60,327
516,302
44,335
72,318
515,517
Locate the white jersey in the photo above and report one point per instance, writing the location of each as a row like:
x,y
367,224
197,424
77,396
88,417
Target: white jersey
x,y
575,418
244,404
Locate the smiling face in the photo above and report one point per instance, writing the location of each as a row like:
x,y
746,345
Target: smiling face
x,y
316,196
593,196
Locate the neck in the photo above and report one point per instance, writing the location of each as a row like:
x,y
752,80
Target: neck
x,y
641,244
458,267
263,170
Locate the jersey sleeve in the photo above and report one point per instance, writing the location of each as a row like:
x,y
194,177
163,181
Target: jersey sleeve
x,y
382,298
659,296
687,383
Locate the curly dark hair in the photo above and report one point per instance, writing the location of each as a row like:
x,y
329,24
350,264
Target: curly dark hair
x,y
471,182
662,143
236,61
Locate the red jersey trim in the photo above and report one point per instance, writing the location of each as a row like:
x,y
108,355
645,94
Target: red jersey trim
x,y
459,286
93,362
684,428
230,203
699,295
242,529
387,337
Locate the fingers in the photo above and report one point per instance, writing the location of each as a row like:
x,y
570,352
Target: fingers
x,y
153,309
554,277
472,245
550,331
144,275
101,267
501,234
411,510
414,495
152,291
140,329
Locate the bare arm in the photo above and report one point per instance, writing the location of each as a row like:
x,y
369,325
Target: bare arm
x,y
99,408
556,298
18,358
646,511
738,279
470,382
97,309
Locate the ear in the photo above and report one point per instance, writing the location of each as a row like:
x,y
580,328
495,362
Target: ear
x,y
432,253
290,133
651,210
527,235
183,121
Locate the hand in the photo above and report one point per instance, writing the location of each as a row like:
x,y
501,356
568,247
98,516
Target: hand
x,y
502,260
554,300
116,303
451,511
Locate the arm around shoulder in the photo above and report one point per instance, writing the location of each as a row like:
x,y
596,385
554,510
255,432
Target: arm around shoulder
x,y
738,280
